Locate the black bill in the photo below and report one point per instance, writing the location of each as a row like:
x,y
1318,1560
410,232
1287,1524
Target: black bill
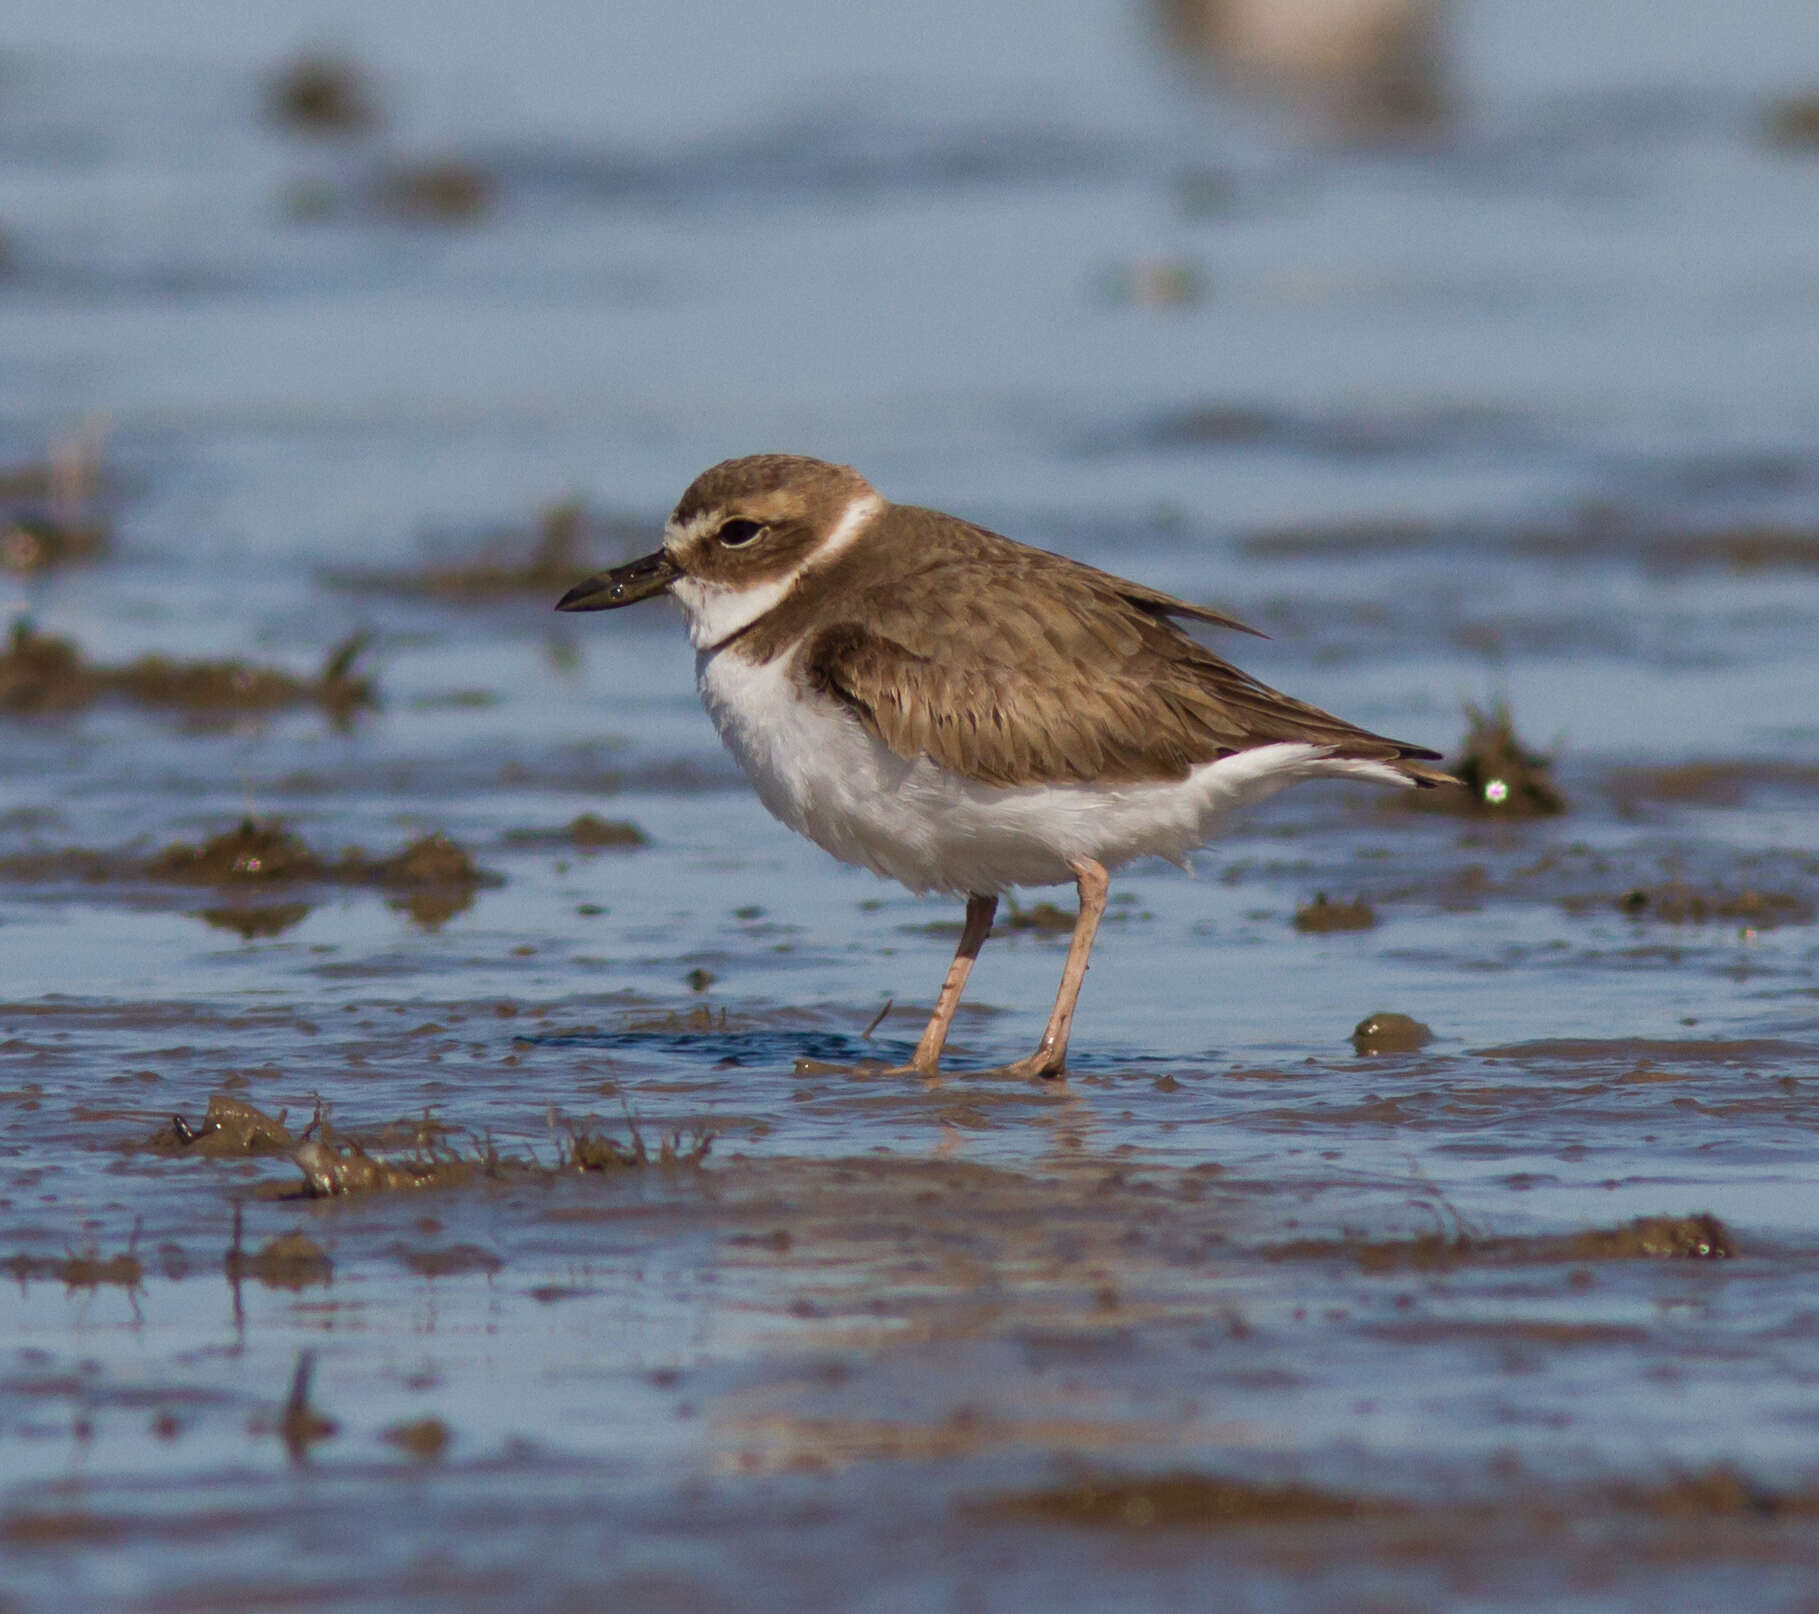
x,y
623,585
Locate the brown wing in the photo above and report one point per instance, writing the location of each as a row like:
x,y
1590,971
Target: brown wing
x,y
1021,667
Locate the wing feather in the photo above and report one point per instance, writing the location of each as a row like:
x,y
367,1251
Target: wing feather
x,y
1016,666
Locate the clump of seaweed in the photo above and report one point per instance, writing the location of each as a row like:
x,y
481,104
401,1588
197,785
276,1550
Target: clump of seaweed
x,y
435,877
585,1149
1044,917
249,852
231,1129
559,553
322,94
1502,776
432,879
1184,1500
42,675
1320,915
1676,903
586,832
1697,1237
1386,1032
1793,124
436,190
417,1154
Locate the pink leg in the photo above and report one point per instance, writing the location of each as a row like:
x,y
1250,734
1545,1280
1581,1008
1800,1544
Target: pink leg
x,y
1050,1057
979,912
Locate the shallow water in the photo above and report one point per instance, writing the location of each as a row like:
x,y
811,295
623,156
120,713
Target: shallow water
x,y
1519,410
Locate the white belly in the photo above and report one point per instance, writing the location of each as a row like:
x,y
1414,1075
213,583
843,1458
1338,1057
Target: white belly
x,y
816,768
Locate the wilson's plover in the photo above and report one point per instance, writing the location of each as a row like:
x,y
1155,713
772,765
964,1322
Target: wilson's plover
x,y
961,712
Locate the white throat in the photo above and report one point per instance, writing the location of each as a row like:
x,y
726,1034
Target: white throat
x,y
717,611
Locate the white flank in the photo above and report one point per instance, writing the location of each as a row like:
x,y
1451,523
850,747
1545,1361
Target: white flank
x,y
816,768
716,612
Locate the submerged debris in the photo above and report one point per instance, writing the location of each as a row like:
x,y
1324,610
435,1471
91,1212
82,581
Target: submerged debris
x,y
437,190
588,832
41,674
1321,915
1793,124
410,1155
252,851
435,878
1720,1492
1700,1237
1185,1500
320,94
1677,904
425,1439
1041,916
230,1128
561,553
595,1151
1502,777
332,1167
1388,1033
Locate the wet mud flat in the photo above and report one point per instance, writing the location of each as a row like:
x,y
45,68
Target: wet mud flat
x,y
594,1297
517,1212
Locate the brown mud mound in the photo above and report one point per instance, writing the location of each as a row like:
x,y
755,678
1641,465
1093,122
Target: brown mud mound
x,y
1502,776
1320,915
424,1439
1699,1237
587,832
567,545
1715,1493
41,675
1184,1501
1607,532
231,1129
435,190
318,94
433,878
249,852
1389,1033
1189,1500
1042,916
1676,903
1714,783
407,1155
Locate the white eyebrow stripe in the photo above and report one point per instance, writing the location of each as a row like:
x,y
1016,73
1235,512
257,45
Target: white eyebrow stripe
x,y
716,611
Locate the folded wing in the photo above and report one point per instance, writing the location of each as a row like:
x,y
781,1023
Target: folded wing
x,y
1080,678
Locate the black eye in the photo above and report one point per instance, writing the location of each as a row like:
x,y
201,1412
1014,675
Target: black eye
x,y
738,532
